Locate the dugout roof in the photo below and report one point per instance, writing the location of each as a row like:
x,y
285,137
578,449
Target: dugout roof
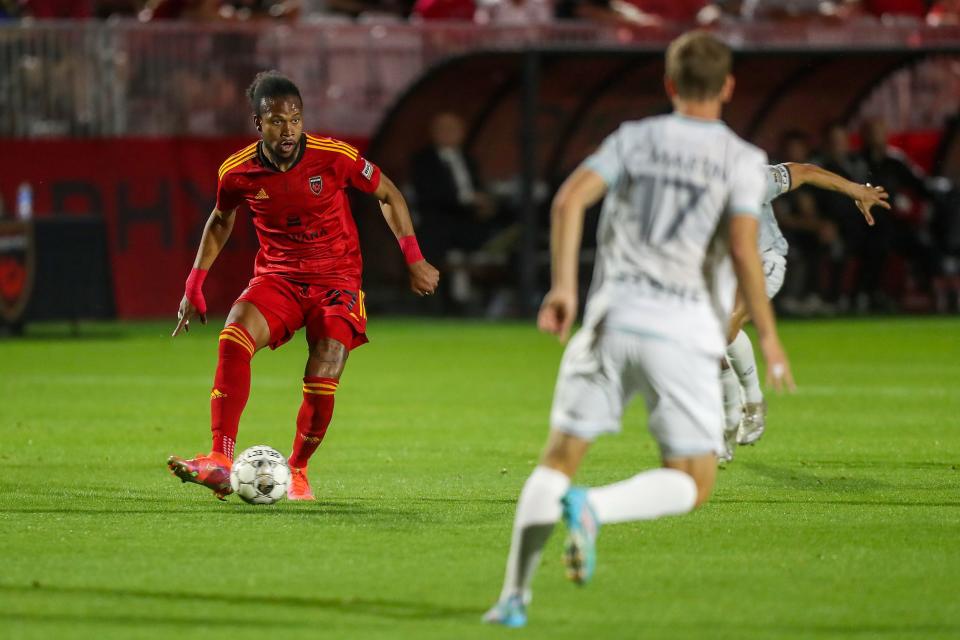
x,y
584,94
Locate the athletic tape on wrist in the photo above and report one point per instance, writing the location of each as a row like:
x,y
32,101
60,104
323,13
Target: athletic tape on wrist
x,y
194,289
410,248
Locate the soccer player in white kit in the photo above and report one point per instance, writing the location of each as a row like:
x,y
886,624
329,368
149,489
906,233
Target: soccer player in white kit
x,y
745,410
683,195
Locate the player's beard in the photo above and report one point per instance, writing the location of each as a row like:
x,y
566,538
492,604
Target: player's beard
x,y
285,153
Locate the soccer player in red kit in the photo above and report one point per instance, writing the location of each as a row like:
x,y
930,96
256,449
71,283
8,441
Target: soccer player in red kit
x,y
307,273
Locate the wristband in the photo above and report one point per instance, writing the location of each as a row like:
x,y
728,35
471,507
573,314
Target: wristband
x,y
410,248
194,289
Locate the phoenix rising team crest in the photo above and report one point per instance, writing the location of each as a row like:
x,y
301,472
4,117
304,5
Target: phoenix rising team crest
x,y
316,185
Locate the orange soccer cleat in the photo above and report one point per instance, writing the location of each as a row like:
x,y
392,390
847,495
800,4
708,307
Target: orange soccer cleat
x,y
299,488
211,471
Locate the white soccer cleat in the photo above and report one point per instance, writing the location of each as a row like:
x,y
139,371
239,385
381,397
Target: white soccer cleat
x,y
729,444
754,422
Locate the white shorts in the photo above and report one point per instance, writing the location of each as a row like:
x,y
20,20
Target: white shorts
x,y
774,269
602,370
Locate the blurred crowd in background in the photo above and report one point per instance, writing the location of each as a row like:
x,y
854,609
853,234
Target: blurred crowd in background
x,y
516,12
907,261
910,260
837,262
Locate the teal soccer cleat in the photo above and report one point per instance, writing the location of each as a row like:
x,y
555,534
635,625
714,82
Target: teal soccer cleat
x,y
580,548
509,613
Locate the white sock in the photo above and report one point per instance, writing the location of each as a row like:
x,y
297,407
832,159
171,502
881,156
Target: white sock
x,y
645,496
732,401
740,354
538,509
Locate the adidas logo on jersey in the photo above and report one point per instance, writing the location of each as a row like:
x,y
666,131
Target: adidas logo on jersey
x,y
262,195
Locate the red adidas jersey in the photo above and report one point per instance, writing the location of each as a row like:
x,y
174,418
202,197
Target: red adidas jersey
x,y
302,216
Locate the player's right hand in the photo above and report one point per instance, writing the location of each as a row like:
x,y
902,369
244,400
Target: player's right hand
x,y
185,314
869,196
557,313
779,375
424,278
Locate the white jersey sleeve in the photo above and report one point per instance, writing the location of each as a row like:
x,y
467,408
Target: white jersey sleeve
x,y
778,181
607,160
748,187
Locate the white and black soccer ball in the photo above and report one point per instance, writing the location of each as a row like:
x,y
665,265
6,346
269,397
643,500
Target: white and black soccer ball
x,y
260,475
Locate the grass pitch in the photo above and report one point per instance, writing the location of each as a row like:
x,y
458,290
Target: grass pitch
x,y
844,521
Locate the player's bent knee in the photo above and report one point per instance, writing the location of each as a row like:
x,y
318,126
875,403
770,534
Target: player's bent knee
x,y
253,322
327,359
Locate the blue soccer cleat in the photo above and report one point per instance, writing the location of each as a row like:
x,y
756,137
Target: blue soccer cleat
x,y
509,613
580,548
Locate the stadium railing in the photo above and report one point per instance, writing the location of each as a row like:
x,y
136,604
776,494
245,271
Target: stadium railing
x,y
90,79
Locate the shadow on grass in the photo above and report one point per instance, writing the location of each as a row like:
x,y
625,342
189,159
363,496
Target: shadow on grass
x,y
851,503
777,629
375,607
316,509
172,503
510,501
872,630
882,464
145,621
801,478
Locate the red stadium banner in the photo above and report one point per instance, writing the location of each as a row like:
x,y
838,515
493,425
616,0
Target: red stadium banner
x,y
155,195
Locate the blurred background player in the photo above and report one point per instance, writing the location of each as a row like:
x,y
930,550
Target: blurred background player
x,y
307,273
745,414
679,187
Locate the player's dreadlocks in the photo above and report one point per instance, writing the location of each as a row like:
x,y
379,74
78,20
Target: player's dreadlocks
x,y
270,85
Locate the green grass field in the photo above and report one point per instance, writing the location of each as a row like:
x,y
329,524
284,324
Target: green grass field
x,y
843,522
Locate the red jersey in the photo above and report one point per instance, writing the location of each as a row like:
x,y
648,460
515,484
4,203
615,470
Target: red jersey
x,y
302,215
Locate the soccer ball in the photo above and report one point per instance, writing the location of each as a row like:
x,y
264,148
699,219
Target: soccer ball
x,y
260,475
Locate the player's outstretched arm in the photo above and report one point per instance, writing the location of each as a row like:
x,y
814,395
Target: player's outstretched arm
x,y
865,196
746,262
580,191
215,235
424,278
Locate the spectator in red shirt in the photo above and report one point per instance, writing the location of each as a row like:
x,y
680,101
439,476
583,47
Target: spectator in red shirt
x,y
917,8
944,13
671,10
58,9
444,9
201,10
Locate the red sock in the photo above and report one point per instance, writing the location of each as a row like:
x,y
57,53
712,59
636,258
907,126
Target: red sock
x,y
231,387
313,419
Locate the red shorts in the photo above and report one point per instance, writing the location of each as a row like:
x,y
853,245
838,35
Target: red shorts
x,y
326,313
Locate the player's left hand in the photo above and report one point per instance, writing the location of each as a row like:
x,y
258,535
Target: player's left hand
x,y
557,312
186,313
779,375
868,197
424,278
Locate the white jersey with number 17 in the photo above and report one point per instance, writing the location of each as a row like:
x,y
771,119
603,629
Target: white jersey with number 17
x,y
663,264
